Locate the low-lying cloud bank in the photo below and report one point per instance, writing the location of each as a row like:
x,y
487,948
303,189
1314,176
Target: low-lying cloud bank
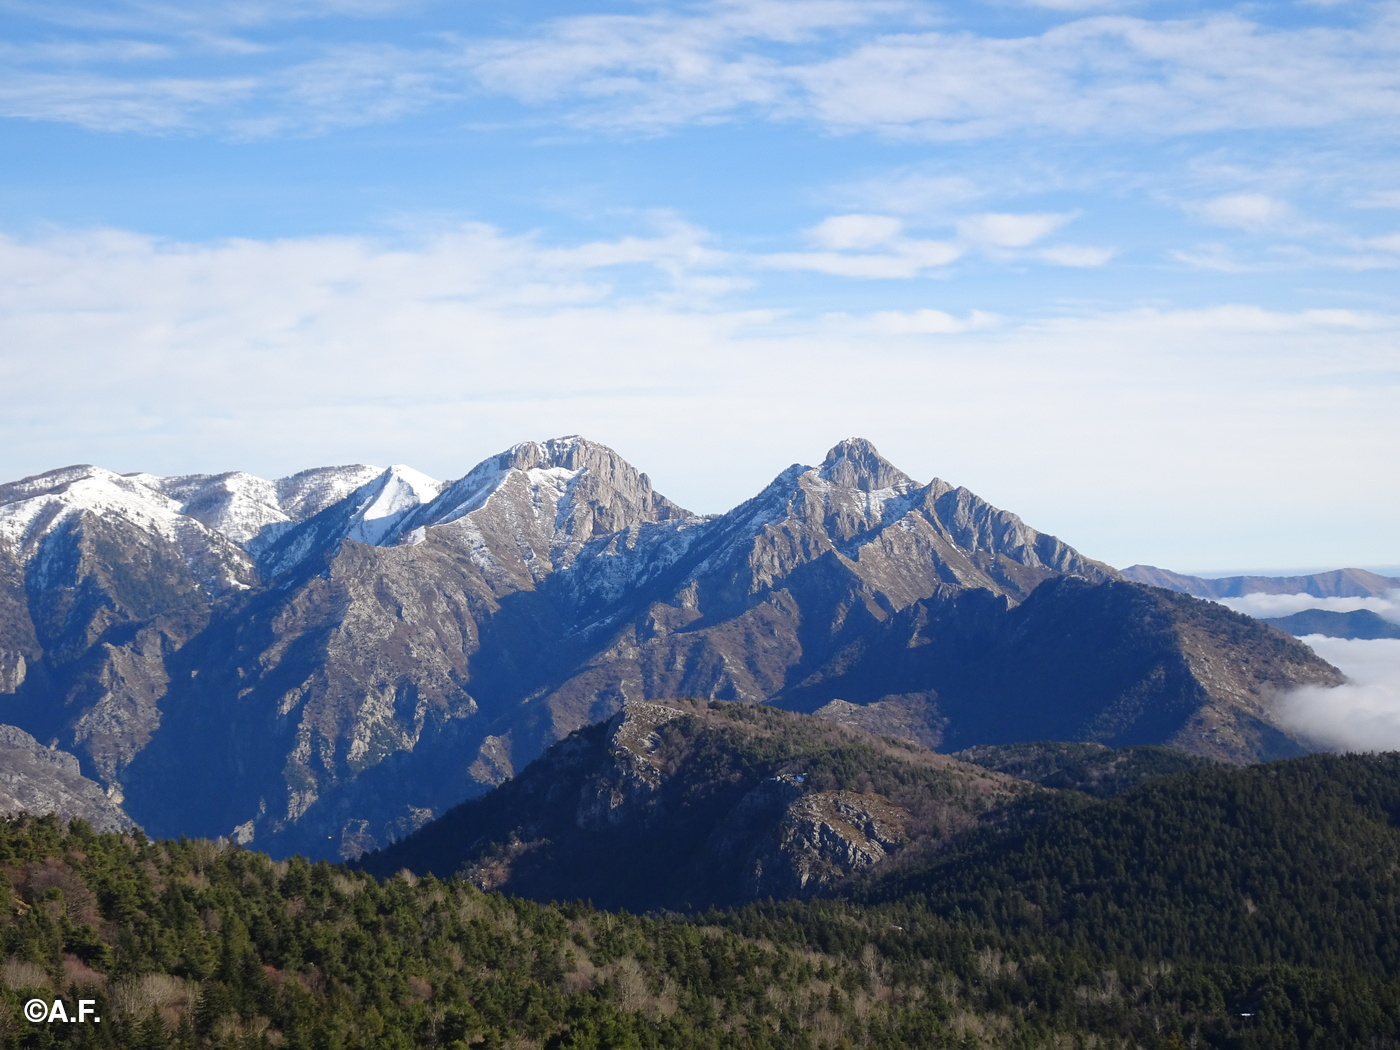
x,y
1363,714
1265,606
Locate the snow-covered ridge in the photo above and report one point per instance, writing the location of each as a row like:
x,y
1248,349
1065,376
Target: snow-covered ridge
x,y
535,489
197,511
526,512
34,509
31,508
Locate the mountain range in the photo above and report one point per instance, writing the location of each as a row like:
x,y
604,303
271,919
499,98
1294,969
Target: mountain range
x,y
1337,583
324,663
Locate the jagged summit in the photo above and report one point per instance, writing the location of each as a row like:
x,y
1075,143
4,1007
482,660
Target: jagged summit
x,y
571,452
855,463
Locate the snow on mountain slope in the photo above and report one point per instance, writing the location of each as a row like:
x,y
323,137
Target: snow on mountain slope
x,y
238,505
34,510
386,501
306,494
254,512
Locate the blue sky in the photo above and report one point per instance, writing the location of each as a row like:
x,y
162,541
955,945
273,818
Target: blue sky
x,y
1127,268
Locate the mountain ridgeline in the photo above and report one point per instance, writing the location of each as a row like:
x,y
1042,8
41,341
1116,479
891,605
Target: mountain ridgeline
x,y
690,805
324,663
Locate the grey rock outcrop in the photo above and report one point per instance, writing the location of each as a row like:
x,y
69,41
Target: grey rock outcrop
x,y
37,779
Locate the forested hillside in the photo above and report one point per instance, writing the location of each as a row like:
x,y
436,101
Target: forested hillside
x,y
1294,862
1236,908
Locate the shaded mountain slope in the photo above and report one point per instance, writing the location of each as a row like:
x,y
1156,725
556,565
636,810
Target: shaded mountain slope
x,y
693,804
38,780
755,599
1115,663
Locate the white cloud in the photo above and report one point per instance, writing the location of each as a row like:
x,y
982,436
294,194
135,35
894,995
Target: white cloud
x,y
904,259
664,68
867,246
1245,211
344,87
101,103
1363,714
928,322
1110,75
846,232
1388,243
1083,5
911,192
197,19
874,246
1218,257
1004,230
1379,199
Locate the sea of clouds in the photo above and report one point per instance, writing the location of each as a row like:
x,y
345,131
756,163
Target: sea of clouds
x,y
1363,714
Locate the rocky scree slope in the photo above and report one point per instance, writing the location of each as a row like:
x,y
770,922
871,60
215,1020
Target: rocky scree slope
x,y
695,804
324,662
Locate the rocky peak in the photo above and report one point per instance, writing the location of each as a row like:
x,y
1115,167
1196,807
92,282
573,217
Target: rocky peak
x,y
555,495
607,473
633,729
854,463
568,453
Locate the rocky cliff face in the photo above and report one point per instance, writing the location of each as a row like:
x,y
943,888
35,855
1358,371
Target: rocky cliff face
x,y
690,804
38,779
324,662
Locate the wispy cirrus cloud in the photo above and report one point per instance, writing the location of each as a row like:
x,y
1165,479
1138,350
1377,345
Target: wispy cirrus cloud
x,y
345,87
1109,75
875,66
